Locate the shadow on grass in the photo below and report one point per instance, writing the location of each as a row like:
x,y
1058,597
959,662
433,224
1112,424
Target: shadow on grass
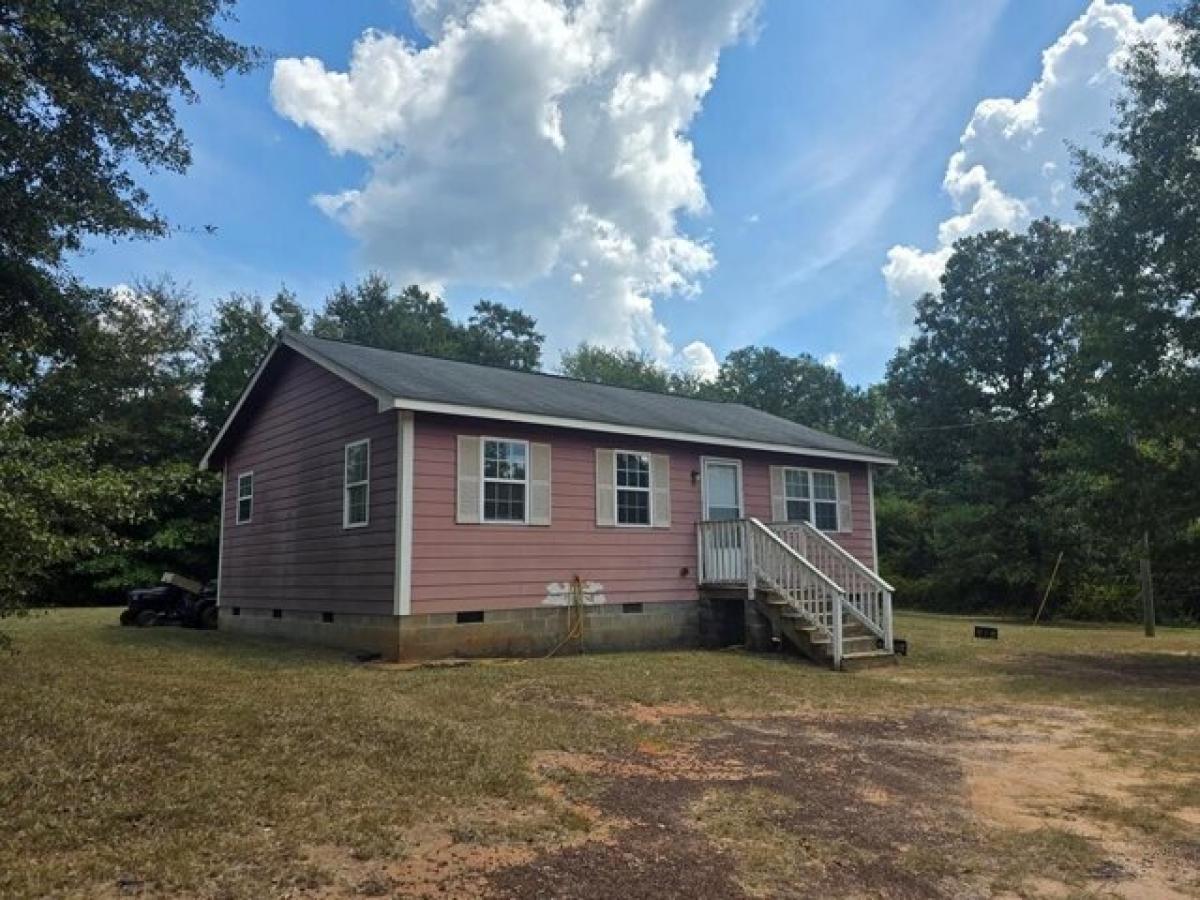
x,y
1107,671
221,645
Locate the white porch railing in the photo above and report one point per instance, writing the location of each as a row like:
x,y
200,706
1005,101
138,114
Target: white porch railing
x,y
868,596
815,575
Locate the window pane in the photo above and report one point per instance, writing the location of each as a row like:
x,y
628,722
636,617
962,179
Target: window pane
x,y
798,511
633,470
826,516
503,502
795,483
504,459
722,487
356,463
356,504
243,509
633,507
245,486
723,513
824,486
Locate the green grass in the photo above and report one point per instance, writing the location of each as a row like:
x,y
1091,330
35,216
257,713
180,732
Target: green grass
x,y
203,762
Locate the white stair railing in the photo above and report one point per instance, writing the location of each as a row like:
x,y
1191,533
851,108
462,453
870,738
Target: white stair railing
x,y
808,590
868,597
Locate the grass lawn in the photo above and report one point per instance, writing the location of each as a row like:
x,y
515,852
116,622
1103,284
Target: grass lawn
x,y
1057,761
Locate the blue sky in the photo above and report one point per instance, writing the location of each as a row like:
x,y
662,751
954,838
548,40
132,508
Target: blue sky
x,y
822,143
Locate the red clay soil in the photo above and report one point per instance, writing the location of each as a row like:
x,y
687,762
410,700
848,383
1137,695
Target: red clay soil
x,y
834,773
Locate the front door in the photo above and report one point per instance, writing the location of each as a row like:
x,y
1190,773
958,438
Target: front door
x,y
722,490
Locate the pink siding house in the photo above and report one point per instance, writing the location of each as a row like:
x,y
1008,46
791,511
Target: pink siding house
x,y
419,507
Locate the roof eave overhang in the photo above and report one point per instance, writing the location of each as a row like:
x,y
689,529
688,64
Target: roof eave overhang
x,y
508,415
387,400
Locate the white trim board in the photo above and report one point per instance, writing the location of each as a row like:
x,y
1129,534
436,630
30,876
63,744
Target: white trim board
x,y
871,509
404,513
481,412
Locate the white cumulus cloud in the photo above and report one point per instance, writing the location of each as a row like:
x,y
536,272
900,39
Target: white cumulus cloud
x,y
1013,163
535,145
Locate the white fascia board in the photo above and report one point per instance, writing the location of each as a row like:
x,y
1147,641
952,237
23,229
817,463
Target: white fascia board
x,y
481,412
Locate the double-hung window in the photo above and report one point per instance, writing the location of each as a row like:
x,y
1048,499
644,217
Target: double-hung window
x,y
505,480
812,497
633,487
356,490
245,497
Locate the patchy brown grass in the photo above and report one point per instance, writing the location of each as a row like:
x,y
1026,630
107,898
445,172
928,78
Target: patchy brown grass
x,y
1057,761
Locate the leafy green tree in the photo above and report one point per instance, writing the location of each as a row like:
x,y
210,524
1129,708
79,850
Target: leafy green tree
x,y
414,321
242,331
130,386
1138,369
123,412
623,368
794,387
288,312
978,399
500,336
86,90
88,96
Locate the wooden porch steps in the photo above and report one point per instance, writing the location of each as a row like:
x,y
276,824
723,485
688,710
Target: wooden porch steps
x,y
859,646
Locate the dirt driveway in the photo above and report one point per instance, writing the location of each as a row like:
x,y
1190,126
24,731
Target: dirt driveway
x,y
938,803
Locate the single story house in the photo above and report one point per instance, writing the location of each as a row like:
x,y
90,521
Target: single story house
x,y
416,507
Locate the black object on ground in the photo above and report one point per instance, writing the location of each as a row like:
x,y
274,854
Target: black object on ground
x,y
176,601
987,632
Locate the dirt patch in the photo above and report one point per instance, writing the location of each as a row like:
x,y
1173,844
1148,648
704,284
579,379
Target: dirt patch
x,y
656,715
1046,773
931,804
835,784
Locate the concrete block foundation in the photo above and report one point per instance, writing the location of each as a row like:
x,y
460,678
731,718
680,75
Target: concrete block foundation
x,y
533,631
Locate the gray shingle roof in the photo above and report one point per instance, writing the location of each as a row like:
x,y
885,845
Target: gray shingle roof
x,y
409,376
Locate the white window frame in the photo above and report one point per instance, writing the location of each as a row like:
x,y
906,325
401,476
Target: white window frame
x,y
347,484
483,480
237,505
812,499
648,490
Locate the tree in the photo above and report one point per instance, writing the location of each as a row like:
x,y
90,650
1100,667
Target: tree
x,y
978,400
1139,358
87,99
623,368
130,386
87,90
500,336
414,321
240,335
794,387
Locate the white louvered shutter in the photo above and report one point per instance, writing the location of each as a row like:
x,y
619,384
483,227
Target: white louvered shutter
x,y
660,482
470,480
778,495
606,489
539,484
845,511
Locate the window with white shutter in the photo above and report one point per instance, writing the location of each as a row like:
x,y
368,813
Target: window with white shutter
x,y
633,488
816,496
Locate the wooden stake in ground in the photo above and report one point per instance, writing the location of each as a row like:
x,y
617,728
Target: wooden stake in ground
x,y
1046,596
1147,587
